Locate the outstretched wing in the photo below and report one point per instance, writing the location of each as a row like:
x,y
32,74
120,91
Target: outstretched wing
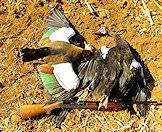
x,y
57,19
91,70
58,28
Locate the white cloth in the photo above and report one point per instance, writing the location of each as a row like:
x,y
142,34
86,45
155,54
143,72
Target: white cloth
x,y
66,76
62,34
104,51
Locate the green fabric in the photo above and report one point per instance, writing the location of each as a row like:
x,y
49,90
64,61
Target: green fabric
x,y
49,81
48,33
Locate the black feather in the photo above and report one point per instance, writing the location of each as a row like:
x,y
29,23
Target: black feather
x,y
34,54
90,71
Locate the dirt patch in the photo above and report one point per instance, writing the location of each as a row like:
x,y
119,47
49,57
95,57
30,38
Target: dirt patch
x,y
22,24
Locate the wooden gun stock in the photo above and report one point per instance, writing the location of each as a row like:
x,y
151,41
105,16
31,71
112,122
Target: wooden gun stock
x,y
34,110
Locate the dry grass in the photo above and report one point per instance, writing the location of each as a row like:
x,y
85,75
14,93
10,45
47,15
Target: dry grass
x,y
22,24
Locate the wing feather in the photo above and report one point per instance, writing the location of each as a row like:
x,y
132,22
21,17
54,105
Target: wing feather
x,y
57,19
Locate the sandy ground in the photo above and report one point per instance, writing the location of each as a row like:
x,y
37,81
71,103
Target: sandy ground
x,y
22,24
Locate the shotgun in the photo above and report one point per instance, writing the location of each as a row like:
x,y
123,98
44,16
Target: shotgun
x,y
35,110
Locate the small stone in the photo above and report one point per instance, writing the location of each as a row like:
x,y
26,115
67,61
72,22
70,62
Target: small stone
x,y
141,31
101,31
1,86
12,1
135,125
103,13
137,18
2,10
2,40
153,13
15,118
20,95
124,4
20,11
39,3
158,31
48,130
161,86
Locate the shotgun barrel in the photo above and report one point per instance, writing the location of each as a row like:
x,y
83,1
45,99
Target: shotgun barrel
x,y
93,105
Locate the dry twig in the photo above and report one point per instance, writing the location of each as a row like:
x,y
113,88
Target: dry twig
x,y
158,5
146,12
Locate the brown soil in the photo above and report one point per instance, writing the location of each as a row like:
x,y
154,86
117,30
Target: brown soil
x,y
22,24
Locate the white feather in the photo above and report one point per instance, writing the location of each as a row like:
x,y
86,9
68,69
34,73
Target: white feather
x,y
137,65
104,51
62,34
66,76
